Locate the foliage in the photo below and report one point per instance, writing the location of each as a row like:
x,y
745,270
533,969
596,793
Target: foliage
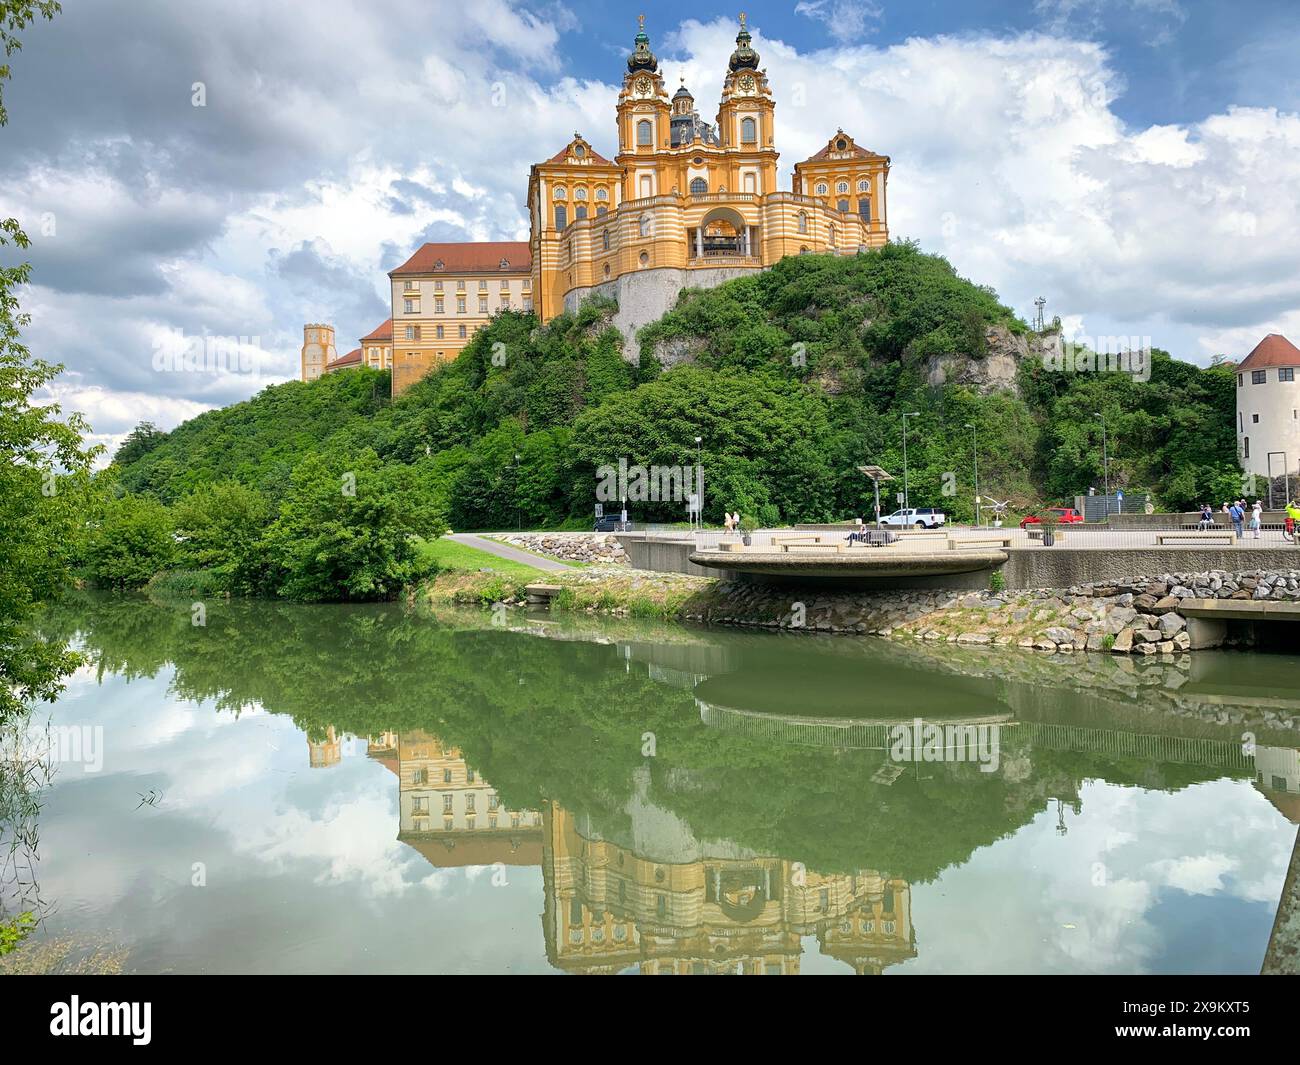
x,y
131,539
346,530
14,931
219,527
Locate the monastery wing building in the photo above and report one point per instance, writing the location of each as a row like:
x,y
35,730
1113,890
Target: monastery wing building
x,y
684,203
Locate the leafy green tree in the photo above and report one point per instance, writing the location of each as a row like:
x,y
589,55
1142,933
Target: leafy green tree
x,y
44,467
132,539
345,530
219,527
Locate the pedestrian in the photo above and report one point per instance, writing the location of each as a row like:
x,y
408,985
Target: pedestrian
x,y
1235,515
1288,526
1207,516
1256,513
727,524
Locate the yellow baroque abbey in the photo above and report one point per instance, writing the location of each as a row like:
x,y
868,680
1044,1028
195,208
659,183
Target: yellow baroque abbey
x,y
684,203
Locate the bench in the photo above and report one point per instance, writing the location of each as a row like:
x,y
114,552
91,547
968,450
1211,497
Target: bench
x,y
912,533
1227,536
1037,534
838,546
978,541
794,538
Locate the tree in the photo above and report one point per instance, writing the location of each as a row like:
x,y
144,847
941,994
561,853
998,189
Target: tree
x,y
219,527
345,530
139,442
132,540
44,467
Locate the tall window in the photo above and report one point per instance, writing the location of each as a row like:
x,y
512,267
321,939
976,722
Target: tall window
x,y
748,131
803,221
1245,447
699,186
580,211
561,216
601,210
604,239
842,206
831,236
864,209
645,132
1286,373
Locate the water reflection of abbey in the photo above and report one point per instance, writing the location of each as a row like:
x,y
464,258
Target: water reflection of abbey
x,y
657,900
639,888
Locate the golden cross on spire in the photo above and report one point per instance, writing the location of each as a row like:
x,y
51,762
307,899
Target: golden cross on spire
x,y
640,22
742,20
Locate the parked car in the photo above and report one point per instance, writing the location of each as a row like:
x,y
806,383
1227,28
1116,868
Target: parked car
x,y
1064,516
921,517
612,523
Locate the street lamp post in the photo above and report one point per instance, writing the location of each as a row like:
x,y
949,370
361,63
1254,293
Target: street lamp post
x,y
1105,463
519,521
699,486
975,458
906,497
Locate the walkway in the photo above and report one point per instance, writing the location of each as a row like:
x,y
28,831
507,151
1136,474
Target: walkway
x,y
512,554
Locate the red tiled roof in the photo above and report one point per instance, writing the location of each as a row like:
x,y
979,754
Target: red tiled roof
x,y
1273,350
469,257
352,358
381,332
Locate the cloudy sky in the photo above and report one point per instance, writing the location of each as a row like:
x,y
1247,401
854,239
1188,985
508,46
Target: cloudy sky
x,y
1136,162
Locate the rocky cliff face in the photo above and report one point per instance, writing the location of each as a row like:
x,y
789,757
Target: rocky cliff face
x,y
995,371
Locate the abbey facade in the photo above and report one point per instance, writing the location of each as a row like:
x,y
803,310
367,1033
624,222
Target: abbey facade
x,y
684,203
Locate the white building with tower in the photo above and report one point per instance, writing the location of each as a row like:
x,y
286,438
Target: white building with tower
x,y
1268,408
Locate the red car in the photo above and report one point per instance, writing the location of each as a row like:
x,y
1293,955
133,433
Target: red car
x,y
1064,516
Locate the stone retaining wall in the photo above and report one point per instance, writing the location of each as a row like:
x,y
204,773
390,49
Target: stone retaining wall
x,y
569,547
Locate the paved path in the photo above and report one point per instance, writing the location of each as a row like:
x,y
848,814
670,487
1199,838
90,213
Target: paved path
x,y
513,554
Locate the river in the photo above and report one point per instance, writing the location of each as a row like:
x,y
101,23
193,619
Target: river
x,y
384,789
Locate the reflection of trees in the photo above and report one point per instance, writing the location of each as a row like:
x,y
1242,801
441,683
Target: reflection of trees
x,y
564,721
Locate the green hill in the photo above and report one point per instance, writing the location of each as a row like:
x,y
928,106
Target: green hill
x,y
792,378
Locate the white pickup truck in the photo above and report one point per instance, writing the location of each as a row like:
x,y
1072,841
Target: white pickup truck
x,y
922,518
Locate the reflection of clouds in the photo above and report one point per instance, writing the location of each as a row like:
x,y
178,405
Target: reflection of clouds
x,y
1089,900
247,778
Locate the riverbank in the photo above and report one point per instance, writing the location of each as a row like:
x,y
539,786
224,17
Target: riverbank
x,y
1138,615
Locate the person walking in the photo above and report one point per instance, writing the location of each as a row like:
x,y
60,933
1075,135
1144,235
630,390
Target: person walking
x,y
1288,526
728,525
1256,514
1235,515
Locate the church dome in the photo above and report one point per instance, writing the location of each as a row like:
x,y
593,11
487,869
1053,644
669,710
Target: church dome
x,y
744,57
642,58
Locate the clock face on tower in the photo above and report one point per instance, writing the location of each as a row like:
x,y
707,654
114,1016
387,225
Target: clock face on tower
x,y
642,86
747,83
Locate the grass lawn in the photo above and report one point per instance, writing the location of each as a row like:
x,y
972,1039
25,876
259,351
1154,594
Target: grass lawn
x,y
450,556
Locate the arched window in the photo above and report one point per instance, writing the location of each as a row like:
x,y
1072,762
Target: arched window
x,y
803,221
748,131
821,188
561,216
604,239
645,132
602,194
830,236
842,205
864,185
842,187
559,193
864,209
699,186
579,194
580,211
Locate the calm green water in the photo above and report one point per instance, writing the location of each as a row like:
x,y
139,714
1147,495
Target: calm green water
x,y
336,789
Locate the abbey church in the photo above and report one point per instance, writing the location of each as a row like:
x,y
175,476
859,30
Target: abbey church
x,y
684,203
